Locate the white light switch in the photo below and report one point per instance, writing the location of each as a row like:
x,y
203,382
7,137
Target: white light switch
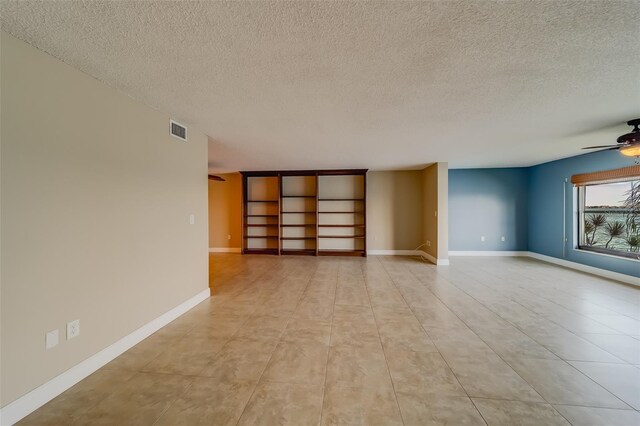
x,y
503,238
51,339
482,238
192,219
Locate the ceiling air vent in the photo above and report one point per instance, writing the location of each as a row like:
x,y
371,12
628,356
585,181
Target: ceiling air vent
x,y
178,130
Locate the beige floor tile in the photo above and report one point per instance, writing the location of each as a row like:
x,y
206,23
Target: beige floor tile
x,y
624,347
208,402
621,380
264,327
357,334
240,360
422,374
140,400
569,346
404,334
352,295
438,411
188,356
298,363
306,331
590,416
283,404
507,413
488,376
81,398
360,406
350,366
560,383
138,356
314,311
620,323
458,342
512,343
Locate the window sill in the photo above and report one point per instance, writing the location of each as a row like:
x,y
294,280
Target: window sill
x,y
630,259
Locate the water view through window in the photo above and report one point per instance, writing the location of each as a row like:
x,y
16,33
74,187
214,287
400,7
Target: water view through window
x,y
610,217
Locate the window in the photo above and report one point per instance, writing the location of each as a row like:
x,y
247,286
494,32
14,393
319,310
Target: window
x,y
609,217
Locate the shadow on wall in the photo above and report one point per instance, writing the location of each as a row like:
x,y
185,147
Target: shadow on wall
x,y
489,203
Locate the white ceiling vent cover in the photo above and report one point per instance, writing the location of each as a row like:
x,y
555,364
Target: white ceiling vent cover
x,y
178,130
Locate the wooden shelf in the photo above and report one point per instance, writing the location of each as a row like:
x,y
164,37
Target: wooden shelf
x,y
299,192
304,252
341,226
342,253
340,236
340,199
334,212
297,238
273,251
298,212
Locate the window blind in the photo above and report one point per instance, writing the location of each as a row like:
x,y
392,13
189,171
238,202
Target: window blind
x,y
606,176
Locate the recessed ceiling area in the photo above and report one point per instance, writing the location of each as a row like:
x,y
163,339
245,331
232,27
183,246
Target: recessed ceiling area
x,y
384,85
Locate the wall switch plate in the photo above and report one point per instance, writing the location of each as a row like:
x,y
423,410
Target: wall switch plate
x,y
482,238
228,237
192,219
503,238
428,243
73,329
51,339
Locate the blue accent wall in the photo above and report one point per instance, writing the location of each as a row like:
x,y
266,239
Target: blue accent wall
x,y
490,203
546,182
526,205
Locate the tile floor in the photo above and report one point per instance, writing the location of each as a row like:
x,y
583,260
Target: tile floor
x,y
379,341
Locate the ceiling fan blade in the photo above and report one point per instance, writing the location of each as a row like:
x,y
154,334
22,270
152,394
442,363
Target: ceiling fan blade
x,y
216,178
602,146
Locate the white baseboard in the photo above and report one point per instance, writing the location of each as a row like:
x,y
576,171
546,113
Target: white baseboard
x,y
488,253
439,262
225,250
28,403
628,279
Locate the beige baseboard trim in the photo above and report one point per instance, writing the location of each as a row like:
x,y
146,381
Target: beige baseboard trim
x,y
225,250
44,393
627,279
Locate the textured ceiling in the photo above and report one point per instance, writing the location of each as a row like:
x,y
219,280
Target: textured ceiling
x,y
382,85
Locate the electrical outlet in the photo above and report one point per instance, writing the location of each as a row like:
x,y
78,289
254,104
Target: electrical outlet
x,y
428,243
192,219
503,238
51,339
229,237
73,329
482,238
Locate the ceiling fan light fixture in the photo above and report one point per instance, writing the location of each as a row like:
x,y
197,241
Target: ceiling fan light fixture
x,y
630,150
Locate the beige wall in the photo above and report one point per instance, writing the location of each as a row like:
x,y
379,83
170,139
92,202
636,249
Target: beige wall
x,y
96,198
225,212
430,218
436,212
443,212
394,210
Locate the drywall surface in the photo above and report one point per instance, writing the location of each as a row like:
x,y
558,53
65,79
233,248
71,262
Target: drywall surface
x,y
489,203
225,212
430,209
394,210
96,203
551,195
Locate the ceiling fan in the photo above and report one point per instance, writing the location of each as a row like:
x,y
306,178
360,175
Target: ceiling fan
x,y
216,178
628,144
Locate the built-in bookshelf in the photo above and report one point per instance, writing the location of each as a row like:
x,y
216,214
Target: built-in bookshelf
x,y
310,212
